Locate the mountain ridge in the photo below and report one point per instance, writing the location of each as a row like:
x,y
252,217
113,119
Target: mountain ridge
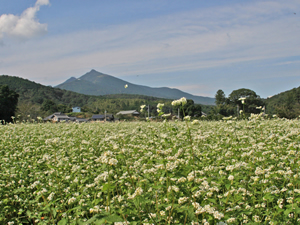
x,y
97,83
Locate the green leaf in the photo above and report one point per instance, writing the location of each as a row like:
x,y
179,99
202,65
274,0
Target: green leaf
x,y
228,186
212,200
114,218
54,212
108,186
100,222
28,213
51,167
63,221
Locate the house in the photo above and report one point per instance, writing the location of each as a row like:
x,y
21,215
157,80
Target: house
x,y
129,112
60,118
76,109
98,117
81,120
57,117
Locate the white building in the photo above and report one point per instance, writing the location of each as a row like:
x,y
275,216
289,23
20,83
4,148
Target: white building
x,y
76,109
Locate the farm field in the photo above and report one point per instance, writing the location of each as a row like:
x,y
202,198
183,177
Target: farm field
x,y
203,172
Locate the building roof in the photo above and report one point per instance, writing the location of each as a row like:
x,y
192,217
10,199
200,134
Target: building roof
x,y
81,120
102,116
127,112
61,116
98,117
52,115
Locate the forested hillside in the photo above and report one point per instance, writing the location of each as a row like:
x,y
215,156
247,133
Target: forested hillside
x,y
285,104
39,100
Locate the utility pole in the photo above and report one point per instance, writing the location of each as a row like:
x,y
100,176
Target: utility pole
x,y
105,116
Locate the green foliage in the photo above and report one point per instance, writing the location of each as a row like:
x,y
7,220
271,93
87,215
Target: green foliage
x,y
230,106
242,92
49,106
286,104
220,97
189,109
8,103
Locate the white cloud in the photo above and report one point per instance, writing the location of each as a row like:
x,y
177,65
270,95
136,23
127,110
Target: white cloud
x,y
24,26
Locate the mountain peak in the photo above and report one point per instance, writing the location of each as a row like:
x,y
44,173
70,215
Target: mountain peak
x,y
70,80
96,83
92,73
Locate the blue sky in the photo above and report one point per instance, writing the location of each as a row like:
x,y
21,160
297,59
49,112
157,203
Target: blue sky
x,y
197,46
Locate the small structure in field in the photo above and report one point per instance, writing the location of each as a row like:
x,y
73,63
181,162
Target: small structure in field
x,y
129,113
57,117
76,109
99,117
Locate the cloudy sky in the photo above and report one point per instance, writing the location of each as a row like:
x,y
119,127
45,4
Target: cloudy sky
x,y
197,46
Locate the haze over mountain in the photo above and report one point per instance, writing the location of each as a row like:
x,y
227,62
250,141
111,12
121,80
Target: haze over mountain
x,y
96,83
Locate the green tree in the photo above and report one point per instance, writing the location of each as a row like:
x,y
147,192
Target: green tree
x,y
243,92
251,102
190,109
220,97
49,106
290,108
8,103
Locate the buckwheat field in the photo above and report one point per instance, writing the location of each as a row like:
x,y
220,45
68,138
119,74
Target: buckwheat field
x,y
185,172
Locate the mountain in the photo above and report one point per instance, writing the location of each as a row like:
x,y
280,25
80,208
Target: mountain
x,y
32,92
96,83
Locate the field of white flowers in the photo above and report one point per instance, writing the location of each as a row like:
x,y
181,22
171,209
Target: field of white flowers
x,y
226,172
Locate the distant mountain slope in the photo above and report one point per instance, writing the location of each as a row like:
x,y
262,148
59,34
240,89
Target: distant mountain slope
x,y
285,104
96,83
30,91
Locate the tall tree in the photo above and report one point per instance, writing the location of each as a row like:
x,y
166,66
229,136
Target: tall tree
x,y
8,103
190,109
249,104
220,97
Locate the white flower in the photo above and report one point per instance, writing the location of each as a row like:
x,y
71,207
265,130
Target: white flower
x,y
182,200
166,115
160,105
182,101
71,200
142,107
231,177
188,118
242,99
195,122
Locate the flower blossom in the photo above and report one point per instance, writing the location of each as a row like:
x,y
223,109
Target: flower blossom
x,y
182,101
